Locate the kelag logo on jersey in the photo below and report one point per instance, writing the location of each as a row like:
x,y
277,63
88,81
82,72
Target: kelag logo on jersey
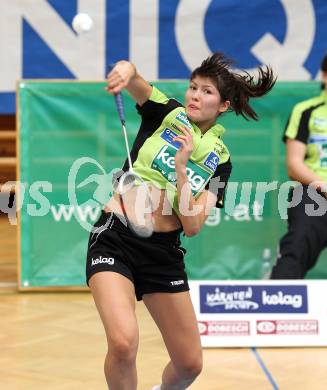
x,y
181,117
168,136
164,162
212,161
253,299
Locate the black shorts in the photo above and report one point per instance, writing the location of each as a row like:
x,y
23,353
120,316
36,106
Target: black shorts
x,y
154,264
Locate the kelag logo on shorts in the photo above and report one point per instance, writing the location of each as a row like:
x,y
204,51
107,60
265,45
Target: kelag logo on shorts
x,y
253,299
164,162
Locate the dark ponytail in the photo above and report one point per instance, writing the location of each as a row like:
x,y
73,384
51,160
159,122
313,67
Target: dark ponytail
x,y
323,68
235,87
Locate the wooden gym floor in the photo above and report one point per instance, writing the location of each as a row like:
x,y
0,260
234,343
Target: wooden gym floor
x,y
55,341
8,253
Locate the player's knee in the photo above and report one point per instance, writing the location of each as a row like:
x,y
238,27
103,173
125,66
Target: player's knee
x,y
123,348
191,367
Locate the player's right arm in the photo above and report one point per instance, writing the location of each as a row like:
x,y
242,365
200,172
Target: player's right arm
x,y
296,168
125,75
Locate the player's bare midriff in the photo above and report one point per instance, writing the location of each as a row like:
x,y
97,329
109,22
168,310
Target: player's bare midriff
x,y
165,219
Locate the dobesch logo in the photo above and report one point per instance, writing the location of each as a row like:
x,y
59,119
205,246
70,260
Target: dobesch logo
x,y
224,328
253,299
202,327
287,327
266,327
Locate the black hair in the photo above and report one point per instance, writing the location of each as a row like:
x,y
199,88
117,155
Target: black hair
x,y
323,65
323,68
235,87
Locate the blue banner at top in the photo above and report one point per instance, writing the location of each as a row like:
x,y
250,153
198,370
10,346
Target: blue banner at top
x,y
165,39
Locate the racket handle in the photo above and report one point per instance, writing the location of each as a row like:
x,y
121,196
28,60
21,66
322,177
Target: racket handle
x,y
120,107
119,101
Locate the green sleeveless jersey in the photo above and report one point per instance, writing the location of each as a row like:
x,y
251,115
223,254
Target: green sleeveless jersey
x,y
153,151
308,124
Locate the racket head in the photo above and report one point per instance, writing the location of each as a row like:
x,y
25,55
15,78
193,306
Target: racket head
x,y
136,204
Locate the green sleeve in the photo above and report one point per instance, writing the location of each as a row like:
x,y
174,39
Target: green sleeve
x,y
293,125
158,97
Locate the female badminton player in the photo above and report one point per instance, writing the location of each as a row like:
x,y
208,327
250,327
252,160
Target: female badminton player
x,y
179,153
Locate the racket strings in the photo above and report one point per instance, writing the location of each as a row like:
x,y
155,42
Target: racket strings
x,y
136,204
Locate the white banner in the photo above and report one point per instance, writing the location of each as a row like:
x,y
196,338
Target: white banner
x,y
265,313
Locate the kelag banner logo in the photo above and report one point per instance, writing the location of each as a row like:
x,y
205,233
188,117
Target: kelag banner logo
x,y
253,299
165,39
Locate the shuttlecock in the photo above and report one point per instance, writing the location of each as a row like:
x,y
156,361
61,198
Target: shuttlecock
x,y
82,23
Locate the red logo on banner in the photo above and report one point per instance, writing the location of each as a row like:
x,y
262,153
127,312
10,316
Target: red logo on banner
x,y
287,327
266,327
224,328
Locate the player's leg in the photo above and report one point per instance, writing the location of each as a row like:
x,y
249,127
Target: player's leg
x,y
175,317
114,297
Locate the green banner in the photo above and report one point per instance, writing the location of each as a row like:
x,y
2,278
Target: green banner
x,y
71,130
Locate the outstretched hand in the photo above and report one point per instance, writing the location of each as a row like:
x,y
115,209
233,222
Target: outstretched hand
x,y
119,77
184,152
